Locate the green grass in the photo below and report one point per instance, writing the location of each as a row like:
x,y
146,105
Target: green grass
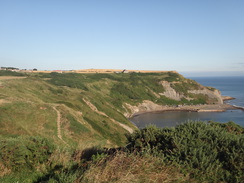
x,y
76,126
29,103
31,99
131,88
11,73
190,152
184,86
24,153
26,118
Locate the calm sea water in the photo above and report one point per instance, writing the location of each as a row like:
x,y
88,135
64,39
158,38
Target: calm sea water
x,y
229,86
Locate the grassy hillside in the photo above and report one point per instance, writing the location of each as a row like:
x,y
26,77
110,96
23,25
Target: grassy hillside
x,y
81,110
54,128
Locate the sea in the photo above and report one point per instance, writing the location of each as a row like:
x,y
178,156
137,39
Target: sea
x,y
228,86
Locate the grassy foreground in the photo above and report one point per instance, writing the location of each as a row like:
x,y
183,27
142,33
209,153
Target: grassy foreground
x,y
191,152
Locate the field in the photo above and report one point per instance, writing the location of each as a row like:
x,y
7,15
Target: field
x,y
102,71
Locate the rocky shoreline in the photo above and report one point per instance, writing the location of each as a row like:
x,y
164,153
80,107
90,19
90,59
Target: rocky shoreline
x,y
224,98
195,108
149,106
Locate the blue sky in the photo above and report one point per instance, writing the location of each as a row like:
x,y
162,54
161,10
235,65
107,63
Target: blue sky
x,y
197,36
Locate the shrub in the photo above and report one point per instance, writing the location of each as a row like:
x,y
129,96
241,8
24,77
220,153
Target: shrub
x,y
210,152
70,80
24,152
10,73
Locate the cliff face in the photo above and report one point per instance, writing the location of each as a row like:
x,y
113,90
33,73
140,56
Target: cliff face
x,y
145,106
212,96
215,95
171,93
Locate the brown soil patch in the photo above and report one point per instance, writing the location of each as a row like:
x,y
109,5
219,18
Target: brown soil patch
x,y
3,101
11,77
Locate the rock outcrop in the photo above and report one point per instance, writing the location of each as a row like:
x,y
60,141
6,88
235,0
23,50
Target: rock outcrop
x,y
170,92
145,106
214,97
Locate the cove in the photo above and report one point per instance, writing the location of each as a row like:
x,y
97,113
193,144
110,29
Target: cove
x,y
173,118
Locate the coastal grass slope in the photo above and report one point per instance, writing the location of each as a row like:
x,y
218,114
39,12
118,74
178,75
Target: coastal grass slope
x,y
84,110
69,127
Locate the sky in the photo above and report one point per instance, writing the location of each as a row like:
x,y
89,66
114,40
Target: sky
x,y
201,37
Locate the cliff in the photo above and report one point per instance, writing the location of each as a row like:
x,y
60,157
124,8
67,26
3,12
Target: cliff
x,y
92,109
186,93
173,94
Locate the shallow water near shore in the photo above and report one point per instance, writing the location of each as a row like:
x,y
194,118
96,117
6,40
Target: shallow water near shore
x,y
173,118
229,86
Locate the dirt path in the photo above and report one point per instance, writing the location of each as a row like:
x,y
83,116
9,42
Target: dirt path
x,y
59,124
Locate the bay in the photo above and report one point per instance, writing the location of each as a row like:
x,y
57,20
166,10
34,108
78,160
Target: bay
x,y
229,86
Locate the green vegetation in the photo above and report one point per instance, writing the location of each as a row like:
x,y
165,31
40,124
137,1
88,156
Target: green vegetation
x,y
29,111
209,152
24,153
11,73
173,77
68,127
91,106
184,86
190,152
130,88
71,80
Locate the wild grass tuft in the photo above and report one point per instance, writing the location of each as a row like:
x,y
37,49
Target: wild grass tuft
x,y
126,167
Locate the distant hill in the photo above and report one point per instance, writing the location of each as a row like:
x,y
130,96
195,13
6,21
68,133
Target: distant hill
x,y
107,71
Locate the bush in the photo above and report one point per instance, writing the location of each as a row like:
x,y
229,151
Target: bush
x,y
24,152
10,73
210,152
190,152
70,80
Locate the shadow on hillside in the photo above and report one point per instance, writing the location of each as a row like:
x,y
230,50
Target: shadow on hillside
x,y
57,173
